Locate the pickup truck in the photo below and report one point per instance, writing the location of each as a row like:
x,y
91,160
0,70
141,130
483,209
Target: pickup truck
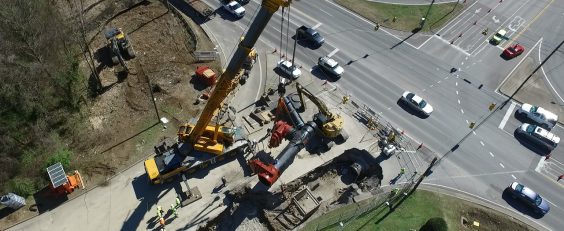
x,y
310,35
234,8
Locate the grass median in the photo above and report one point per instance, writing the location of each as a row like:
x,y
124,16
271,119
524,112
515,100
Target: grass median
x,y
407,17
416,210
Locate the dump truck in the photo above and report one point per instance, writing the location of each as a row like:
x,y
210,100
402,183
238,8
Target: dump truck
x,y
205,75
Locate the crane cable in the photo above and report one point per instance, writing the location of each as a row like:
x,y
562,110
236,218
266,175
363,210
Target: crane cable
x,y
281,33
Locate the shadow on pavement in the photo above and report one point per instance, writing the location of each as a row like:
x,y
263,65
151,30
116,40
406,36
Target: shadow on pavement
x,y
523,141
148,196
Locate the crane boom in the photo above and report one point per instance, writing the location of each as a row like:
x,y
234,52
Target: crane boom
x,y
226,84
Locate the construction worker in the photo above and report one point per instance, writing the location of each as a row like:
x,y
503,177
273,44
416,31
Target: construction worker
x,y
560,178
173,210
395,191
377,26
402,171
178,202
159,211
162,222
223,181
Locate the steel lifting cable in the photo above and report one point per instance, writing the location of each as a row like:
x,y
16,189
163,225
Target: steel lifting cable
x,y
287,32
281,30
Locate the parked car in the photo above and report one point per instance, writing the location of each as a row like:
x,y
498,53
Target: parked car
x,y
234,8
538,115
513,51
331,66
498,37
289,69
310,35
417,103
538,136
529,197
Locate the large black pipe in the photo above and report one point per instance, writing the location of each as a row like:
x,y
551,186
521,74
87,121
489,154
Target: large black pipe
x,y
293,113
297,143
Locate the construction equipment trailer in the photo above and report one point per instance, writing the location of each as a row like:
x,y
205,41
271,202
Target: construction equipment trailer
x,y
200,7
203,144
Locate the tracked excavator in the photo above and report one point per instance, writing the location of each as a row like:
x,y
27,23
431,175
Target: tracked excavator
x,y
299,133
203,144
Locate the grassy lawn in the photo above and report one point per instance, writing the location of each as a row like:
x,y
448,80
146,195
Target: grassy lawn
x,y
417,209
408,17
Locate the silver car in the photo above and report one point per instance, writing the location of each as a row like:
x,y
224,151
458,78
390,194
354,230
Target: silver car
x,y
539,136
538,115
289,69
417,103
331,66
529,197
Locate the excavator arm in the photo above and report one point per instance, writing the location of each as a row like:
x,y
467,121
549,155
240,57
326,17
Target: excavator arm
x,y
331,124
227,81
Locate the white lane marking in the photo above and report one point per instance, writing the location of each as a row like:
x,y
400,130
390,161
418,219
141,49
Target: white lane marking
x,y
439,81
325,12
458,101
423,89
462,64
515,68
446,77
432,85
466,58
461,111
507,114
456,83
491,154
546,77
455,47
317,25
466,121
540,164
473,132
482,143
457,91
514,178
389,108
500,164
333,52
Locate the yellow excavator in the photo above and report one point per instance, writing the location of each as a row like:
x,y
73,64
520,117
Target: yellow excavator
x,y
331,123
202,144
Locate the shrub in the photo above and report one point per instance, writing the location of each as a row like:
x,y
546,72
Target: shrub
x,y
22,186
63,156
435,224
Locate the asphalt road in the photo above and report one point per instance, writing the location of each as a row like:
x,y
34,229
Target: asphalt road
x,y
379,67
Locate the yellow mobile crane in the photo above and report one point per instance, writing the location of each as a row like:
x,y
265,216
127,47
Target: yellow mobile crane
x,y
198,141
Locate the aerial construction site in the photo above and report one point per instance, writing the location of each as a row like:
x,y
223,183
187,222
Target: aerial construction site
x,y
237,145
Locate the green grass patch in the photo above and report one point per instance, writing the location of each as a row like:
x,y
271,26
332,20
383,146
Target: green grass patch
x,y
408,17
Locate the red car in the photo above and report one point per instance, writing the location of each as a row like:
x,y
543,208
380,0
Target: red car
x,y
513,51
